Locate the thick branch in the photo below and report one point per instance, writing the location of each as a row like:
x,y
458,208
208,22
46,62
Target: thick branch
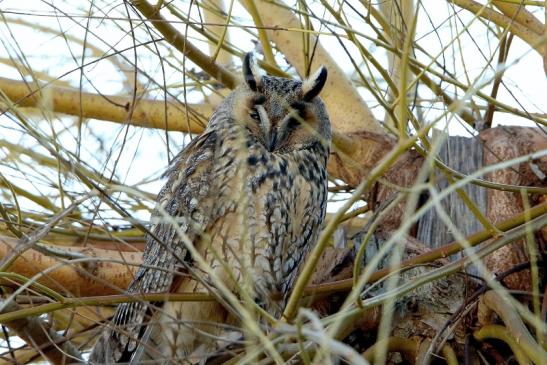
x,y
523,32
146,113
118,275
111,270
521,15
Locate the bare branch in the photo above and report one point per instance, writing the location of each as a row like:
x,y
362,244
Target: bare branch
x,y
41,337
523,32
521,15
179,41
146,113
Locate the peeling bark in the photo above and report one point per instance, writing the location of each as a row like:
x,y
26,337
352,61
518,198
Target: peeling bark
x,y
503,144
403,174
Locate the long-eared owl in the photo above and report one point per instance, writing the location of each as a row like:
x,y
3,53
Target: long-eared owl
x,y
243,204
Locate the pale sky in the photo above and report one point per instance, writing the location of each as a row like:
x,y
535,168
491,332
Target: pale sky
x,y
61,57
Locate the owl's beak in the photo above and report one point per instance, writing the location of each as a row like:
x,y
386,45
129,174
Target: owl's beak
x,y
273,140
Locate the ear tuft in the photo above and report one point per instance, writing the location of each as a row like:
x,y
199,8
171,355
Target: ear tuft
x,y
251,72
312,86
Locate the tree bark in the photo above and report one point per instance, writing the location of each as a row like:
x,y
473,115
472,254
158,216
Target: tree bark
x,y
110,270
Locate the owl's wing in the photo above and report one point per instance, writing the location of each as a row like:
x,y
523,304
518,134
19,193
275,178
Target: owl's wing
x,y
182,197
311,203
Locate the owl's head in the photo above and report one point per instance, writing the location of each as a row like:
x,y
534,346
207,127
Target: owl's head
x,y
281,113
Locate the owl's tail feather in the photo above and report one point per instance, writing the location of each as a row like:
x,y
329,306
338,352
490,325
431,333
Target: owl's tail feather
x,y
149,351
105,350
117,344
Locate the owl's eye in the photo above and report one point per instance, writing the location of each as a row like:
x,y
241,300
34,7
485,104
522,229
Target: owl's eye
x,y
293,123
299,107
298,115
259,99
254,114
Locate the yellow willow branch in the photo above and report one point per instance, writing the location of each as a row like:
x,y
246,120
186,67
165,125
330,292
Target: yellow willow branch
x,y
449,355
501,333
348,112
96,52
181,43
37,334
102,300
262,35
526,34
393,344
521,15
516,327
213,11
400,15
146,113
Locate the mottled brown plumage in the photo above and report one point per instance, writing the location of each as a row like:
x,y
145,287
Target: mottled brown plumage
x,y
250,195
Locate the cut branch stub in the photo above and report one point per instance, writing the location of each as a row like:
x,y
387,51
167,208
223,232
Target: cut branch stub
x,y
503,144
355,154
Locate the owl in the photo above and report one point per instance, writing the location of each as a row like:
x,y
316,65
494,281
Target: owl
x,y
242,206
